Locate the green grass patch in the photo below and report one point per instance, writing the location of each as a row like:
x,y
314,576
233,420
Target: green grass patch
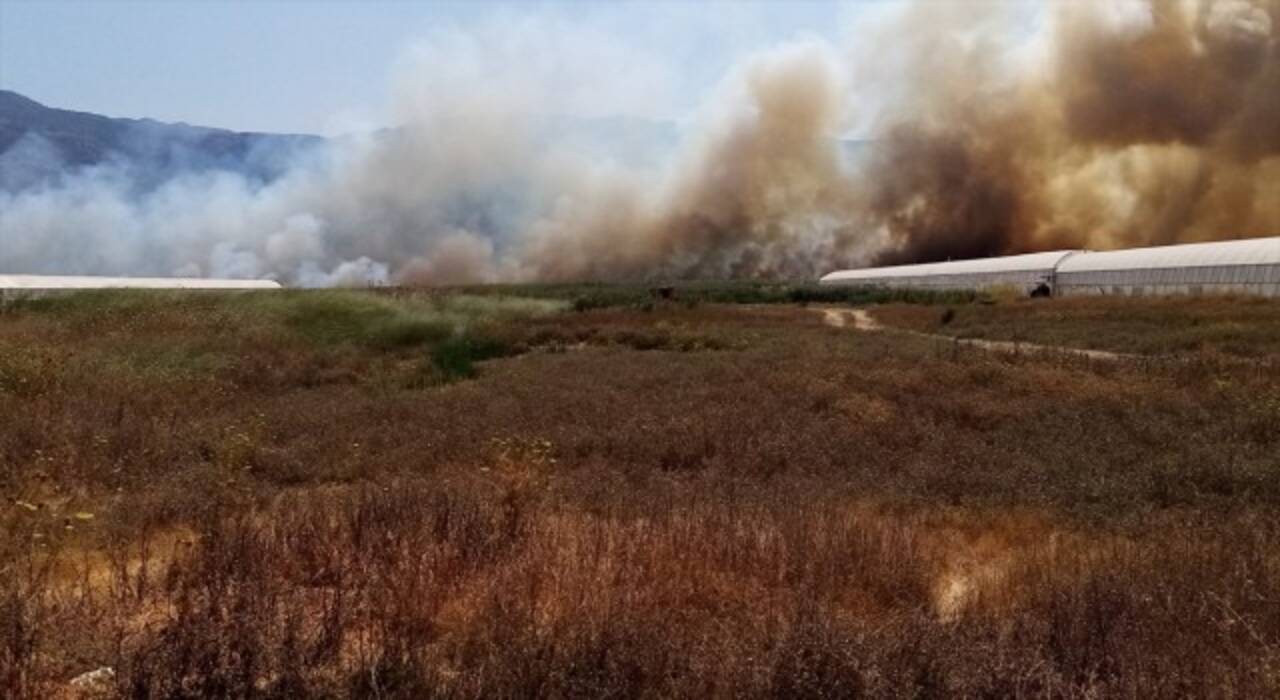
x,y
455,357
361,319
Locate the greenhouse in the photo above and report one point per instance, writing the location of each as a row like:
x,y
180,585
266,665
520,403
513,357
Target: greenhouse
x,y
1026,273
1250,266
12,286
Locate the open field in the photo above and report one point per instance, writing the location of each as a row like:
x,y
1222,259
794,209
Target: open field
x,y
585,492
1240,327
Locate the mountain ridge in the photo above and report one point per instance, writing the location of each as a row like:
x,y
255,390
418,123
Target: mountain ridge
x,y
40,144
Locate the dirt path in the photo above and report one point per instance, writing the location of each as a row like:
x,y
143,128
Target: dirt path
x,y
859,318
862,320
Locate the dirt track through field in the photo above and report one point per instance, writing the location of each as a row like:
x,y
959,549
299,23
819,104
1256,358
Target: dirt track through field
x,y
862,320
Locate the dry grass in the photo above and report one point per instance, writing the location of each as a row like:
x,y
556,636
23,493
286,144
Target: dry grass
x,y
694,500
1237,327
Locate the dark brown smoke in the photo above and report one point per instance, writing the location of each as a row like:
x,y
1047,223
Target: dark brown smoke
x,y
1137,122
1152,121
946,194
1200,76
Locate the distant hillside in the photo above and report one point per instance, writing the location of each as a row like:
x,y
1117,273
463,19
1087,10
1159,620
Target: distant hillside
x,y
40,144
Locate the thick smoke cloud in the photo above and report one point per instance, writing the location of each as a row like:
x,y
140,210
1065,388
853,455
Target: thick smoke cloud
x,y
1121,123
1142,122
761,192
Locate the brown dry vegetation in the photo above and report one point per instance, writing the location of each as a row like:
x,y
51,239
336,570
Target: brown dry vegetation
x,y
319,495
1241,327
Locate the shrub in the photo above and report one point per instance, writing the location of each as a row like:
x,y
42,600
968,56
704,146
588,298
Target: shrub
x,y
456,356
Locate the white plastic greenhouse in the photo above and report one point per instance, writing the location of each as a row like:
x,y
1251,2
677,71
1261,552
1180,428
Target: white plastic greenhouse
x,y
37,285
1023,272
1250,266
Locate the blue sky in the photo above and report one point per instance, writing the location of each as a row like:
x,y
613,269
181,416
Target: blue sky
x,y
327,67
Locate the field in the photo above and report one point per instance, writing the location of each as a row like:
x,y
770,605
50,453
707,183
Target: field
x,y
587,491
1238,327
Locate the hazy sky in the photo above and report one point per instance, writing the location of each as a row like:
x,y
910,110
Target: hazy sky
x,y
327,67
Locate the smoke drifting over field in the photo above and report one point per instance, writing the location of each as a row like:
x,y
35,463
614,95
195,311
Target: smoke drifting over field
x,y
1116,124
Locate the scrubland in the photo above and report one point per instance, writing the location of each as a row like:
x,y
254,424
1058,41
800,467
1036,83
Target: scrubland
x,y
588,492
1240,327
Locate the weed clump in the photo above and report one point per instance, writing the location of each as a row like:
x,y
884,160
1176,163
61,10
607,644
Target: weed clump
x,y
455,356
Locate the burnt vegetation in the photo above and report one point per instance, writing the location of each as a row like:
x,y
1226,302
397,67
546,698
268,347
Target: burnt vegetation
x,y
600,493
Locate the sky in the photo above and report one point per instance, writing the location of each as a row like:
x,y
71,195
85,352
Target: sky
x,y
328,67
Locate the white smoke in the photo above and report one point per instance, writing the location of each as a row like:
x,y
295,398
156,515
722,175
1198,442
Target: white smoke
x,y
445,196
